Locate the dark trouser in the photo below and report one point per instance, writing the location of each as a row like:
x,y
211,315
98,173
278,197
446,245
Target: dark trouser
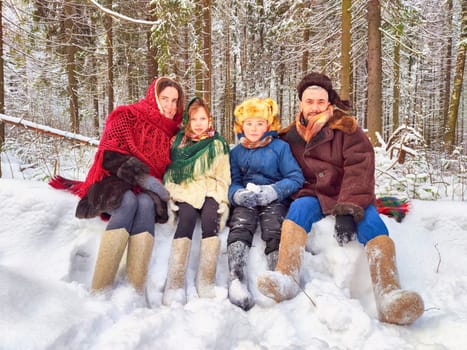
x,y
136,214
243,223
187,216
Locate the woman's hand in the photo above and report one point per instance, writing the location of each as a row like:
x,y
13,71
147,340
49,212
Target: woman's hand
x,y
152,184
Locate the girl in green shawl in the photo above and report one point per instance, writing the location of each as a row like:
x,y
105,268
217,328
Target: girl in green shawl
x,y
198,180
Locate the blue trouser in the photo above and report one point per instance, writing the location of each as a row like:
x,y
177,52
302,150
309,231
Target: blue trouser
x,y
136,214
305,211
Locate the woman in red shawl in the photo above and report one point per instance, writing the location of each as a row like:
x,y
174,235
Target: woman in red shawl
x,y
125,181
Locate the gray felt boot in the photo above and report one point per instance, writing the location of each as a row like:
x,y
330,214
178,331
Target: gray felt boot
x,y
239,294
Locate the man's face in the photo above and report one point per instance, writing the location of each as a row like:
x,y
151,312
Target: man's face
x,y
314,101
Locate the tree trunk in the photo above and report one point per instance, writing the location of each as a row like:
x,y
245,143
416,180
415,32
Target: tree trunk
x,y
374,107
95,97
305,55
450,135
396,92
448,67
152,69
110,53
199,37
2,86
70,50
345,49
94,90
227,118
207,53
280,99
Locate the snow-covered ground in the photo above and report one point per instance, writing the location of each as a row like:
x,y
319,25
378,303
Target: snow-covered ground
x,y
47,259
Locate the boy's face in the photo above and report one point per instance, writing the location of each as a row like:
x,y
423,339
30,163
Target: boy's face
x,y
254,128
199,121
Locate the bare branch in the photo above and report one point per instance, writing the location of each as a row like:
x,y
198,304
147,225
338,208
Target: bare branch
x,y
439,258
304,292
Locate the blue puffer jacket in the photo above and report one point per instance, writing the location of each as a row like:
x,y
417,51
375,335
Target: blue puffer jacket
x,y
273,165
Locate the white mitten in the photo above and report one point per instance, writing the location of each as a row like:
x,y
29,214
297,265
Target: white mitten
x,y
173,212
266,195
223,212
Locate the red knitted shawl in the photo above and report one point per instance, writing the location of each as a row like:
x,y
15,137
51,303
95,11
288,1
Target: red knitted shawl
x,y
139,130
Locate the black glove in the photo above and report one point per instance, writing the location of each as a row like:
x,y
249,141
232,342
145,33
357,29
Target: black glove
x,y
132,170
345,229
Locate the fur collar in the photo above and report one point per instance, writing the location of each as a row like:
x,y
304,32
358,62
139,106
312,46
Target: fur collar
x,y
339,121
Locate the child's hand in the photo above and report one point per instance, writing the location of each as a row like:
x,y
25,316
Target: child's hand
x,y
245,198
172,206
173,212
266,195
223,212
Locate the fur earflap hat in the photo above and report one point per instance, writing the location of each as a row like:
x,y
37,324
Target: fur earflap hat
x,y
318,79
257,108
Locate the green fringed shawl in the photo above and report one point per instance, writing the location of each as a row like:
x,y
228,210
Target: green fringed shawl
x,y
193,159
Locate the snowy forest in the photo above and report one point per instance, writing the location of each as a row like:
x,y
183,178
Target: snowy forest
x,y
65,64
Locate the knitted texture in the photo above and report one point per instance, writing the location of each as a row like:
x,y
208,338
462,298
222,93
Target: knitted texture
x,y
139,130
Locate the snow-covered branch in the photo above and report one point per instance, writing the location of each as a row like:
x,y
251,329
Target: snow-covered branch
x,y
120,16
48,130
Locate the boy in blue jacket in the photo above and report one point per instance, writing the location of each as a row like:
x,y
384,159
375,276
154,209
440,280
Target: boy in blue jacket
x,y
264,175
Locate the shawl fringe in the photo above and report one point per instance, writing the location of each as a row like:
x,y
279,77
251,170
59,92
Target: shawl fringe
x,y
191,161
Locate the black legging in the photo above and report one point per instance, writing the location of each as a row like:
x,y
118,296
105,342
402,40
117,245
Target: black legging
x,y
136,214
187,216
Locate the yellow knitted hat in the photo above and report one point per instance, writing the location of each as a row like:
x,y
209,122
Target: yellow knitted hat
x,y
257,108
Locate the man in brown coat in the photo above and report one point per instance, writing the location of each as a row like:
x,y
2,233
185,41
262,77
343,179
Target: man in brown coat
x,y
338,163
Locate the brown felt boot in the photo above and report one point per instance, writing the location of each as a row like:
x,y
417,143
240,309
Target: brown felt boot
x,y
112,246
206,277
138,257
283,283
394,304
175,284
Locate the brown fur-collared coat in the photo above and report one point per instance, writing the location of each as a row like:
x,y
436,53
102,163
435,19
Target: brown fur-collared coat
x,y
338,165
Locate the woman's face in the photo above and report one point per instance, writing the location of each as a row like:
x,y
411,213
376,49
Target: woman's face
x,y
254,128
199,121
168,98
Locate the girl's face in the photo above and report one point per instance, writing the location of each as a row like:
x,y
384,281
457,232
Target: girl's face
x,y
254,128
199,121
168,99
